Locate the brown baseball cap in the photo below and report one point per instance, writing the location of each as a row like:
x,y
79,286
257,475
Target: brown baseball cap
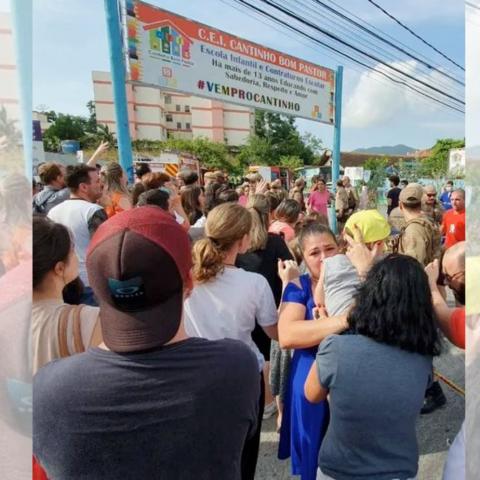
x,y
137,263
411,195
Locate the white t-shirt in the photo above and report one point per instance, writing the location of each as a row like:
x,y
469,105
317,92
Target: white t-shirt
x,y
75,215
227,307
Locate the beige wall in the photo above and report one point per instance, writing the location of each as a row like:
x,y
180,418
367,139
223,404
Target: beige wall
x,y
156,114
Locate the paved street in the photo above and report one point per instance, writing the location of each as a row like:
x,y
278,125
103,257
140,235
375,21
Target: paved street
x,y
435,431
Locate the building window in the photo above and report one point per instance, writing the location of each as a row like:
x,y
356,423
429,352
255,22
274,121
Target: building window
x,y
169,117
168,99
178,108
179,126
187,108
187,126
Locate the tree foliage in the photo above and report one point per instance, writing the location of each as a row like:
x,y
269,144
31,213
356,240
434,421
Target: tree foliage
x,y
377,166
212,155
436,165
276,136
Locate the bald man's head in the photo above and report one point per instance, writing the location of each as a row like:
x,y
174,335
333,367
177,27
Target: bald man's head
x,y
453,266
455,256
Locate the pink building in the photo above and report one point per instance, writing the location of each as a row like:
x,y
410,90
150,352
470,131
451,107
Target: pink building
x,y
156,114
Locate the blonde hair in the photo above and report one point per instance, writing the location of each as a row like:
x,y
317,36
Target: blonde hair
x,y
112,175
259,208
226,224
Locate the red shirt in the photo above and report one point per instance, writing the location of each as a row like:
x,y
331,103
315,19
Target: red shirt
x,y
457,327
453,227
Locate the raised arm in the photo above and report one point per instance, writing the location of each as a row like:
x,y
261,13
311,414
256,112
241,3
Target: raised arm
x,y
103,147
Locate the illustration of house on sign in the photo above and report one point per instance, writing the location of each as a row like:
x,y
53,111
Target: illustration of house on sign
x,y
167,38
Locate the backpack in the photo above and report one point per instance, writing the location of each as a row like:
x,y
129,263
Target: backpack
x,y
434,247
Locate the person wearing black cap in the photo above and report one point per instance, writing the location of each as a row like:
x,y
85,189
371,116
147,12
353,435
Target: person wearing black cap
x,y
150,403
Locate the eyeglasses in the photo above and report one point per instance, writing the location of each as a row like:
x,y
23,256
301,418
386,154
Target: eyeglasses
x,y
431,194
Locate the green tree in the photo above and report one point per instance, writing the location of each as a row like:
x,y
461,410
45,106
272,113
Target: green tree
x,y
377,166
257,151
65,127
92,118
283,139
436,165
291,162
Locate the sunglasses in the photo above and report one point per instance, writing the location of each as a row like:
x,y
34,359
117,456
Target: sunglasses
x,y
431,194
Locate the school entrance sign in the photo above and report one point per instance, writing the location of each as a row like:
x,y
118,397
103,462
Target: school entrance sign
x,y
172,52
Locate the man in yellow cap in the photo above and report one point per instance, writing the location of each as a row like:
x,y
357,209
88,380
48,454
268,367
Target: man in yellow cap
x,y
420,237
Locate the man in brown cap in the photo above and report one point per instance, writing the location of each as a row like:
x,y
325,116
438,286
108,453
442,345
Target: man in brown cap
x,y
419,238
150,402
431,207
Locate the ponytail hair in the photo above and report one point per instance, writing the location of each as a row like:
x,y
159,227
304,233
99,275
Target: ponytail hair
x,y
226,224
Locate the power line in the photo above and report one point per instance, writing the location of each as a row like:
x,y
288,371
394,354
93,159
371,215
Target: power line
x,y
358,50
378,76
349,57
384,40
373,27
345,29
414,34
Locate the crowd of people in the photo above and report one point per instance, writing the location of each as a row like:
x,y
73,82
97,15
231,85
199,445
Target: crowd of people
x,y
172,316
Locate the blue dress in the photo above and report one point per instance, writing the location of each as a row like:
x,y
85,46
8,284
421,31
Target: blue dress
x,y
303,423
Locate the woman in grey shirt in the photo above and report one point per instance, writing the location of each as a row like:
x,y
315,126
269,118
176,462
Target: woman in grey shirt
x,y
376,377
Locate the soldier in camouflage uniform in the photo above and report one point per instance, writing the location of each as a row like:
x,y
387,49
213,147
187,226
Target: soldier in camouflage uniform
x,y
431,206
420,237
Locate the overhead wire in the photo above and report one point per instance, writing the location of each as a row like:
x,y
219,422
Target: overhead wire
x,y
376,76
329,47
346,30
358,50
387,35
386,41
395,19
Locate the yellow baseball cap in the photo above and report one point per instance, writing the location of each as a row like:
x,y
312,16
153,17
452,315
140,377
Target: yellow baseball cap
x,y
372,224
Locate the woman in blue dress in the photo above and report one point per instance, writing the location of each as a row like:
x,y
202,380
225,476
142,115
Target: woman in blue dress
x,y
304,423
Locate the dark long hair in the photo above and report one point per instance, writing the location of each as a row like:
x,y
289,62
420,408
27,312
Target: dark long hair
x,y
51,244
394,306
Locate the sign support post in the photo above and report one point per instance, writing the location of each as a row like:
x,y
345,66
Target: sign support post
x,y
337,135
117,66
22,28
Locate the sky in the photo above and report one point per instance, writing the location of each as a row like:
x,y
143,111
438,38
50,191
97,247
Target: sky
x,y
70,41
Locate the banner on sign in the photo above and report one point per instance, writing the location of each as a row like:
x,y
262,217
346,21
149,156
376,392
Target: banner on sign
x,y
172,52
